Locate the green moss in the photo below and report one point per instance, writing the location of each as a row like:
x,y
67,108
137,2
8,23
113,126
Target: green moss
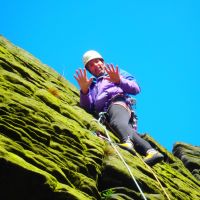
x,y
64,191
47,141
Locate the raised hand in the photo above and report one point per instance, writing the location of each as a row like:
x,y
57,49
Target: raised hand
x,y
113,73
83,81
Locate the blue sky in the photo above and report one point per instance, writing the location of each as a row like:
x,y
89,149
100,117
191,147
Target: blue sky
x,y
158,41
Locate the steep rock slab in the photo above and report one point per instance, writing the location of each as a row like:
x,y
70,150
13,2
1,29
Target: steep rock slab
x,y
48,151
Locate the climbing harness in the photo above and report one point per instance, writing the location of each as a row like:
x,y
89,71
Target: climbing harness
x,y
102,119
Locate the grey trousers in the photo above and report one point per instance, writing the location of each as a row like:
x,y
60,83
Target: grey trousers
x,y
119,121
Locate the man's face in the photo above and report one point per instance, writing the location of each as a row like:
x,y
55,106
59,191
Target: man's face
x,y
96,67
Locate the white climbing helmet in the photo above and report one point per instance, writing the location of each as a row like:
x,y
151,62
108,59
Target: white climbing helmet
x,y
90,55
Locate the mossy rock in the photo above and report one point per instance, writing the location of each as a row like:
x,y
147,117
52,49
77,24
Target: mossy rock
x,y
49,150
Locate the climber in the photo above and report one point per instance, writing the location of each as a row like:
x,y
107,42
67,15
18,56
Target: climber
x,y
108,91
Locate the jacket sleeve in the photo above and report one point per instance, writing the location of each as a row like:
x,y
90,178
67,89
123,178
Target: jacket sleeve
x,y
86,101
129,86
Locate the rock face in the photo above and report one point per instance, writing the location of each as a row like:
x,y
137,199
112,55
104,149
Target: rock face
x,y
48,151
190,156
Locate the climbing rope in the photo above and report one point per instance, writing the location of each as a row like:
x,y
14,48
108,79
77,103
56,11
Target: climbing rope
x,y
122,159
154,174
126,165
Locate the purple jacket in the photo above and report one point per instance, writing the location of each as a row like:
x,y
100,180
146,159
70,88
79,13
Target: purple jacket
x,y
101,91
